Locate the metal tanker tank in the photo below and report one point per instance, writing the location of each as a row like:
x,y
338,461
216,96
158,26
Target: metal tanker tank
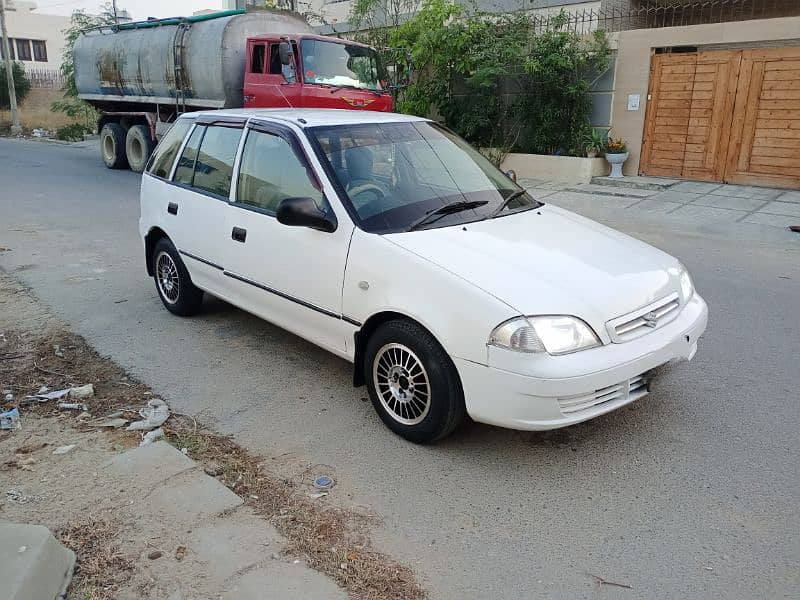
x,y
197,61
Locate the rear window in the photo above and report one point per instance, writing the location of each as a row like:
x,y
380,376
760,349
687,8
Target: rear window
x,y
166,150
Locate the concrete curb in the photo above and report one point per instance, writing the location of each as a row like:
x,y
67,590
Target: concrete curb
x,y
33,565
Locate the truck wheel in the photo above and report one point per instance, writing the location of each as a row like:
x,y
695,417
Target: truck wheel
x,y
112,146
138,147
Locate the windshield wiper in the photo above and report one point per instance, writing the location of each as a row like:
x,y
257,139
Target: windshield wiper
x,y
336,88
447,209
506,202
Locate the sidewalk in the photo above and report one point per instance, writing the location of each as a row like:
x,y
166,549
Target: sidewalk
x,y
699,202
199,518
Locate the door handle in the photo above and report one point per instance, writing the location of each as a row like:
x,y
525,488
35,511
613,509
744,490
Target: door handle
x,y
172,208
238,234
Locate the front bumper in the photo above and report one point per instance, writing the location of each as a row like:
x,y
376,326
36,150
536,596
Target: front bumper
x,y
589,383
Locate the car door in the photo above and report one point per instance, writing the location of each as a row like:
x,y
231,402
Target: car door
x,y
291,276
269,83
199,199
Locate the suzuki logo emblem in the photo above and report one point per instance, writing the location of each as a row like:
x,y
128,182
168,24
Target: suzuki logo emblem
x,y
651,319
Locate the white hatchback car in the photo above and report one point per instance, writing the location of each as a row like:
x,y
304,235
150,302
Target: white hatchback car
x,y
390,242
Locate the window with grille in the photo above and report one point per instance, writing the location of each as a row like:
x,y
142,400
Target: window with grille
x,y
39,50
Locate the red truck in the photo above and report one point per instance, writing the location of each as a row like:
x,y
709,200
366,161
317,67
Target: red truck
x,y
142,75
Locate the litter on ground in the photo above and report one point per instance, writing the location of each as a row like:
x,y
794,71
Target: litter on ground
x,y
152,436
153,415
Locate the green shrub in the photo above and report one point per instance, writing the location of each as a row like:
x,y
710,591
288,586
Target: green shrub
x,y
500,82
22,84
73,132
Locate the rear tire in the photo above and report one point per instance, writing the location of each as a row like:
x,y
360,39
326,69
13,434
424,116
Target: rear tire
x,y
413,384
112,146
173,284
138,147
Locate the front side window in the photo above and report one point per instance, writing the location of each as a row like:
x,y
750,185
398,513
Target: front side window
x,y
164,154
395,174
213,169
340,65
270,172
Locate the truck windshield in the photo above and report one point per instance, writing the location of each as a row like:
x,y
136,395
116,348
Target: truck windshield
x,y
344,65
415,175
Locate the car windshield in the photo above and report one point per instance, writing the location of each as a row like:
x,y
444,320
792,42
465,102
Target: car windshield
x,y
399,176
344,65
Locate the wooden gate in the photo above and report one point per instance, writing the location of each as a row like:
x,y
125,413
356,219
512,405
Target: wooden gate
x,y
729,116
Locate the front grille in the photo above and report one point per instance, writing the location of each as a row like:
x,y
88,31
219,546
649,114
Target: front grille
x,y
645,319
630,389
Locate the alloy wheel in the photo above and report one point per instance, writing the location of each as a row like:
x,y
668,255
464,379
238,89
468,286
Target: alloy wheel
x,y
402,384
167,277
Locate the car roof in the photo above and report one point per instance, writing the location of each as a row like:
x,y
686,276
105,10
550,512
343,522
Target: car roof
x,y
310,117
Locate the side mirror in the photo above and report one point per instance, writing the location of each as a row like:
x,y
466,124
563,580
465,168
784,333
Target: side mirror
x,y
285,52
512,175
303,212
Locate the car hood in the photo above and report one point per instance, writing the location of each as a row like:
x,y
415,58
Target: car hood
x,y
550,261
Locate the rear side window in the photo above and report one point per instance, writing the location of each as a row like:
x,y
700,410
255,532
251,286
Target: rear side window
x,y
164,154
184,173
213,169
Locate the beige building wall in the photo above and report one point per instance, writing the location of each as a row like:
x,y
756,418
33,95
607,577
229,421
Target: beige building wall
x,y
634,49
26,23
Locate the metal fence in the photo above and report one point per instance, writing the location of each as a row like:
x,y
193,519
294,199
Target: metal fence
x,y
45,78
647,14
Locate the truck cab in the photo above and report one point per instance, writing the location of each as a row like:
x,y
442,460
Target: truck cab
x,y
312,71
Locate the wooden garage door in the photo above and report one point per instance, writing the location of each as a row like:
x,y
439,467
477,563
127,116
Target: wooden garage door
x,y
725,116
765,135
688,114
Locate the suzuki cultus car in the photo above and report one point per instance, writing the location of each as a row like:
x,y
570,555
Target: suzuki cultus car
x,y
389,241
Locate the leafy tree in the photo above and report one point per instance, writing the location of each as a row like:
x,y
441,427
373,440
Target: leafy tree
x,y
375,22
80,22
497,81
22,84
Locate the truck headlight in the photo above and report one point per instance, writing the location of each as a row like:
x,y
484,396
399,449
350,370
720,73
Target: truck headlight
x,y
687,288
558,334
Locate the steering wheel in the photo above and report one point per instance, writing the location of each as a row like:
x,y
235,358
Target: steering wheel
x,y
366,188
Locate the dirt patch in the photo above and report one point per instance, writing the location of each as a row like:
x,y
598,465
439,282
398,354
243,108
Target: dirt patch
x,y
333,540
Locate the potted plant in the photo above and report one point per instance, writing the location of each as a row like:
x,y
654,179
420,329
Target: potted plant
x,y
616,155
593,142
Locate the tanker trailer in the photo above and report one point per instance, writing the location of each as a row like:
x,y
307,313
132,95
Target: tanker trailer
x,y
143,75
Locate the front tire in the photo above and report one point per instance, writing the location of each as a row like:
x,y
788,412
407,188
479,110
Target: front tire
x,y
413,383
173,284
112,146
138,147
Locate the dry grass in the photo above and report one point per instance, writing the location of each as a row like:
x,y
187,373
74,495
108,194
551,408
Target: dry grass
x,y
30,361
35,111
102,567
38,118
332,540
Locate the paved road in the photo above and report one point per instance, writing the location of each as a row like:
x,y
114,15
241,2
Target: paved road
x,y
692,492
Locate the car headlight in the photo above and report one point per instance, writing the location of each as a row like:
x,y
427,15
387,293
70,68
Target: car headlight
x,y
552,334
687,288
